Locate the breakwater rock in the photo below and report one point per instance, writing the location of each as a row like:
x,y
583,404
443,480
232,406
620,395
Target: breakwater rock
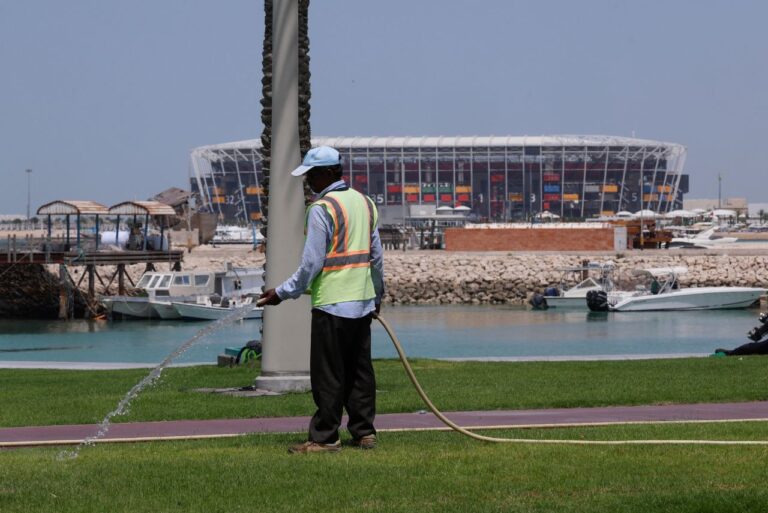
x,y
30,291
462,278
415,277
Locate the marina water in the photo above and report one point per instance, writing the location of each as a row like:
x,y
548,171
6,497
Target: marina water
x,y
473,332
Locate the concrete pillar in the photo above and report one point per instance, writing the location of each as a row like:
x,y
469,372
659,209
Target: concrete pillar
x,y
285,357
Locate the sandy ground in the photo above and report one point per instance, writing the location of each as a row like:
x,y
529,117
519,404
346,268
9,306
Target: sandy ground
x,y
214,257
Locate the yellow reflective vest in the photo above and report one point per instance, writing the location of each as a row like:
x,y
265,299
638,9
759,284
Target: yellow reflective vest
x,y
346,274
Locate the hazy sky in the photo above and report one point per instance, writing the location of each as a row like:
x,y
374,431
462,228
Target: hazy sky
x,y
104,99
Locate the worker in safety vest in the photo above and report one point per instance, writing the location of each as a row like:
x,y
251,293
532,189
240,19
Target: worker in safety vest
x,y
342,266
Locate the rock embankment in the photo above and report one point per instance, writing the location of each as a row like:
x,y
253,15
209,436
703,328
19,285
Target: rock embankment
x,y
460,278
417,277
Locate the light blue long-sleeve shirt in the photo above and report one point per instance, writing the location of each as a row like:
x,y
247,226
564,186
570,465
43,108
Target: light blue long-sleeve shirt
x,y
319,234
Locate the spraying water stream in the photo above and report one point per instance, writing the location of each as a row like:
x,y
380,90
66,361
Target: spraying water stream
x,y
150,379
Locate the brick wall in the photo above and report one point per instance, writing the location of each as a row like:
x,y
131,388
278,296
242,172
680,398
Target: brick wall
x,y
550,239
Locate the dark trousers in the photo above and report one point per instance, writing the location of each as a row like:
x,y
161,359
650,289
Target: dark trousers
x,y
341,373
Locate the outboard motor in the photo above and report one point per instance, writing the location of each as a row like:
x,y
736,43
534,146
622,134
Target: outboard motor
x,y
759,332
538,302
754,347
597,300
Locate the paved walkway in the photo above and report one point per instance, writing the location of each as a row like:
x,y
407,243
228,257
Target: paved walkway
x,y
189,429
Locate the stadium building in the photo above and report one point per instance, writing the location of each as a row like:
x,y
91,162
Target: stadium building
x,y
498,178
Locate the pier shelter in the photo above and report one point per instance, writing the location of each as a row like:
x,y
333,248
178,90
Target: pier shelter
x,y
160,212
69,208
82,245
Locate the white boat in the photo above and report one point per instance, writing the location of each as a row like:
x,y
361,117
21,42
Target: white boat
x,y
703,240
593,276
164,309
156,287
157,290
208,309
226,234
137,307
664,294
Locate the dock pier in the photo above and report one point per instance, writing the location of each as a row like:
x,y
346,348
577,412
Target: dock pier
x,y
88,248
44,251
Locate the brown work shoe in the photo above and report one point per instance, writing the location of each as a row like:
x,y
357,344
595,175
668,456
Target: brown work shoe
x,y
365,442
310,446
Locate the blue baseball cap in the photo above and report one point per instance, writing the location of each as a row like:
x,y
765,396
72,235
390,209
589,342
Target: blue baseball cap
x,y
320,156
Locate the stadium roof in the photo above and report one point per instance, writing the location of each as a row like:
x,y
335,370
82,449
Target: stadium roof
x,y
459,141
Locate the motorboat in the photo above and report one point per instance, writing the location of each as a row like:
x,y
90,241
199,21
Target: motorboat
x,y
661,292
134,307
701,240
158,290
165,309
590,276
214,308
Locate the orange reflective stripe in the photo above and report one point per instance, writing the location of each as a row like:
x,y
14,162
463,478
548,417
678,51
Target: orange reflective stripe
x,y
343,230
356,259
329,208
348,266
346,253
340,224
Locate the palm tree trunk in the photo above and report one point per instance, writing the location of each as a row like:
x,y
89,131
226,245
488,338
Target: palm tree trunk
x,y
305,91
266,112
266,99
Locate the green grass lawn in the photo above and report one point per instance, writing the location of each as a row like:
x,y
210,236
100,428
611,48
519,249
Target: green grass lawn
x,y
408,472
42,397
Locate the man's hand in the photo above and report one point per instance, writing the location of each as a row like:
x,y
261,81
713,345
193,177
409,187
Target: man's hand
x,y
270,297
378,308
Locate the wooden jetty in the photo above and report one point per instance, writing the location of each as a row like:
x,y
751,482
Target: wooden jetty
x,y
84,249
28,250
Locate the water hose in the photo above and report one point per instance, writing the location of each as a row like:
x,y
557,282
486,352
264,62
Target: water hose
x,y
448,422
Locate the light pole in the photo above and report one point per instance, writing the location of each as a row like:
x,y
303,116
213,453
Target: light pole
x,y
29,194
719,190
